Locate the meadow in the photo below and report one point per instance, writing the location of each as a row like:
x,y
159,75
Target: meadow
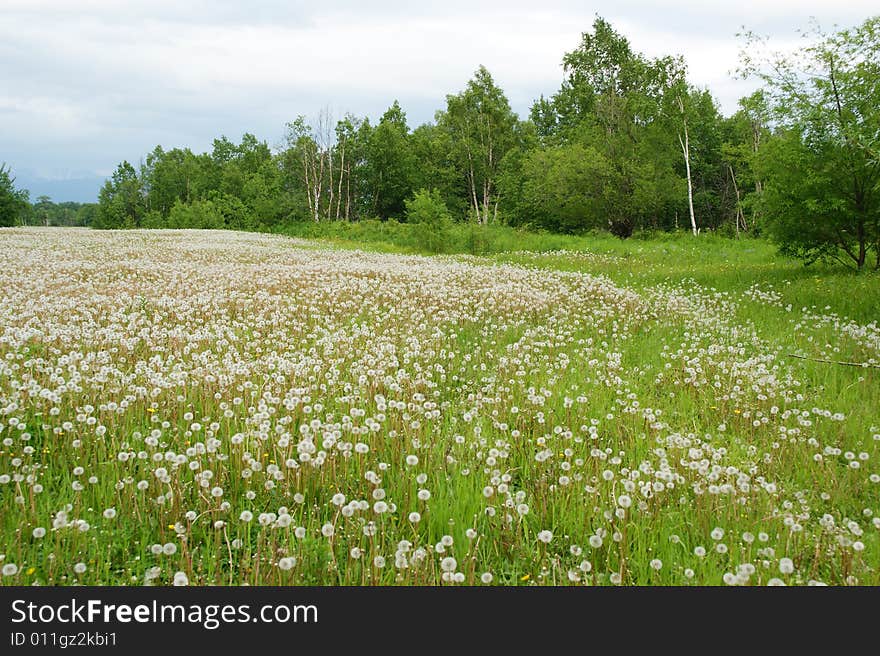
x,y
209,407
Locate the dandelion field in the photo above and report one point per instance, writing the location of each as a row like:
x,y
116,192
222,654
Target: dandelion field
x,y
203,407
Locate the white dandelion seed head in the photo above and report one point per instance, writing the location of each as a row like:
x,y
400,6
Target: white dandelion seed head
x,y
448,564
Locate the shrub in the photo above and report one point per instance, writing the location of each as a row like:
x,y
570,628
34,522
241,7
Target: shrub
x,y
430,219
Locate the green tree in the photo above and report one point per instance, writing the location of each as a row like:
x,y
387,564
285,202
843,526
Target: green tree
x,y
436,168
13,202
613,104
482,129
821,171
743,134
391,165
121,200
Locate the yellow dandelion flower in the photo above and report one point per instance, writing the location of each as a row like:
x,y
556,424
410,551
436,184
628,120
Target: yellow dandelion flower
x,y
525,577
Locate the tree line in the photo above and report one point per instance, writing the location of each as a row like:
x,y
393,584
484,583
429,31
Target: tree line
x,y
627,143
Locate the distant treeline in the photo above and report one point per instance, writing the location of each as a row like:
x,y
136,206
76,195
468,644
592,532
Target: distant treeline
x,y
613,149
627,143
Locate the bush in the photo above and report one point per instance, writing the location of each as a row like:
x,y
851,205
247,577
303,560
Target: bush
x,y
431,220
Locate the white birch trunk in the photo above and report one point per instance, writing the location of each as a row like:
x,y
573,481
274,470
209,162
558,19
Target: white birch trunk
x,y
685,147
686,150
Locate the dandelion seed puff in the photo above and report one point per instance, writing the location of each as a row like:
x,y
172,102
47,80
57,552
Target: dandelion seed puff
x,y
39,532
656,564
181,579
717,533
595,541
615,578
424,495
338,499
380,507
412,461
246,516
624,501
486,577
775,582
689,573
379,562
327,530
10,569
80,568
415,517
730,579
156,549
545,536
448,564
169,548
287,563
786,566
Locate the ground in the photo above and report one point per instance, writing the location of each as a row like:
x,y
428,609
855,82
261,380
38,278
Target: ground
x,y
211,407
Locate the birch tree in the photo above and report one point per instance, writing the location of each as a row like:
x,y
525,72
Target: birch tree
x,y
482,129
309,149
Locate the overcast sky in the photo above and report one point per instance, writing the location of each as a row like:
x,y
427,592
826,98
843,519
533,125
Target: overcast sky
x,y
87,83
